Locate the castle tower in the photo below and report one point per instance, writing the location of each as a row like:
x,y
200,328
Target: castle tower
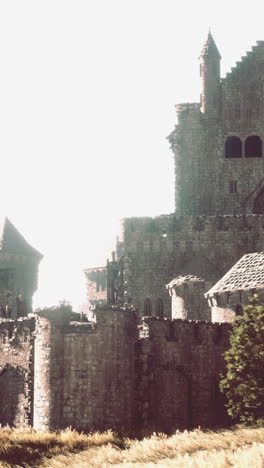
x,y
218,143
210,78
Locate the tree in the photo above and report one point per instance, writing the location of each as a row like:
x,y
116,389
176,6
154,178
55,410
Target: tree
x,y
243,383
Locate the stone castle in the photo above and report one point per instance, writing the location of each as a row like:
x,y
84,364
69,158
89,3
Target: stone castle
x,y
151,358
219,195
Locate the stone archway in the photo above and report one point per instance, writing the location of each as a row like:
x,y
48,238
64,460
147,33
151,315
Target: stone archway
x,y
259,203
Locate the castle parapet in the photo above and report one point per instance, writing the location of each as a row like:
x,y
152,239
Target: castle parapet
x,y
147,234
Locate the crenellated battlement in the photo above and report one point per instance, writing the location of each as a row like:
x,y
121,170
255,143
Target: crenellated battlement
x,y
162,231
94,376
253,55
183,331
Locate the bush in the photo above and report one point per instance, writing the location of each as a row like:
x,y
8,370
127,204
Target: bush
x,y
243,383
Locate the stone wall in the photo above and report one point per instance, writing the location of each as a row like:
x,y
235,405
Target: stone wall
x,y
156,250
129,375
84,371
16,372
177,374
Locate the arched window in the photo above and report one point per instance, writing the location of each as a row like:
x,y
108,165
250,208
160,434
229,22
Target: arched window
x,y
159,308
233,147
253,147
147,307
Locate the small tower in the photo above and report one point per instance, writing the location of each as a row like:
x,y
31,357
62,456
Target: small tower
x,y
186,294
210,78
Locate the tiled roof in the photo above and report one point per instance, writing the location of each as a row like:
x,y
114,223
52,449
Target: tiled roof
x,y
246,274
183,279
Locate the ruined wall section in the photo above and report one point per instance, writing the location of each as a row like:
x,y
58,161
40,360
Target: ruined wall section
x,y
96,291
156,250
177,374
16,372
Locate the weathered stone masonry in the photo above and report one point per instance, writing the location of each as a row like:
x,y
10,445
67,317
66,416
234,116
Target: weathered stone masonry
x,y
84,372
16,371
124,373
156,250
218,150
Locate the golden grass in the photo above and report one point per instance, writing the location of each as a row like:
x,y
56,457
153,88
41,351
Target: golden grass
x,y
241,447
26,447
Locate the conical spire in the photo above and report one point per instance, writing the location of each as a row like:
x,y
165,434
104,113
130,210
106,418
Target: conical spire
x,y
209,48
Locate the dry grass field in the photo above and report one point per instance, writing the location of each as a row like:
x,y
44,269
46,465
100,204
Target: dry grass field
x,y
240,447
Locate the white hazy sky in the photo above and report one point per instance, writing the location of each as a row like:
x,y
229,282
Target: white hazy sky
x,y
87,95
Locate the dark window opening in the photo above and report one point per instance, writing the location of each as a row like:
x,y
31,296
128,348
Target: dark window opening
x,y
233,147
147,307
159,308
253,147
233,186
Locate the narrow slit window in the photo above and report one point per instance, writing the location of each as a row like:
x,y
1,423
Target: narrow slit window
x,y
233,186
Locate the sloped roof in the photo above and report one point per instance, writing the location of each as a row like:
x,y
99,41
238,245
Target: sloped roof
x,y
183,279
246,274
210,47
11,241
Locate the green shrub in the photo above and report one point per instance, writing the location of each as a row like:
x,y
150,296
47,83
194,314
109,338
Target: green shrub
x,y
243,383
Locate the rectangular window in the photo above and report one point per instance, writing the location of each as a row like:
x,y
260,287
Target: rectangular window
x,y
233,186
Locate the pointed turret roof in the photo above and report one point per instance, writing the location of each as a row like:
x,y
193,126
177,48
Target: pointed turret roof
x,y
209,48
12,242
